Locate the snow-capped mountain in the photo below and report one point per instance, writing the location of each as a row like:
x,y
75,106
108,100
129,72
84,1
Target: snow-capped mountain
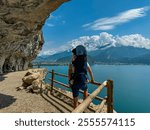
x,y
103,40
105,47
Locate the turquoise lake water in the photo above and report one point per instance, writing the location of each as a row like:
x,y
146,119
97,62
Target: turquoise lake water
x,y
131,85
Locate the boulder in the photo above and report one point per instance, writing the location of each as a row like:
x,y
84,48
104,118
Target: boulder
x,y
33,80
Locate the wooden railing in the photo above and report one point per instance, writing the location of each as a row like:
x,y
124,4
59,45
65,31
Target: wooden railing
x,y
108,100
39,64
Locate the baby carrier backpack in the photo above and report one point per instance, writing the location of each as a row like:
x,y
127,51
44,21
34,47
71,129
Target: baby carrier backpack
x,y
80,65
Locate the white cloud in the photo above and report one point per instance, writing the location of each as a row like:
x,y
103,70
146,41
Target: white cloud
x,y
111,22
103,40
51,17
52,51
54,20
48,52
135,40
50,25
94,42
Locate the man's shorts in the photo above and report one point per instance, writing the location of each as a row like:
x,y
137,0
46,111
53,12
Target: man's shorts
x,y
76,87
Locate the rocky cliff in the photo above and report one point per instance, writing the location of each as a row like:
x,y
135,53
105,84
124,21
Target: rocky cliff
x,y
21,38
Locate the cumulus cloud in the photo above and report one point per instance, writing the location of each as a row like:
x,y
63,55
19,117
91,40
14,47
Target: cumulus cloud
x,y
93,42
103,41
135,40
109,23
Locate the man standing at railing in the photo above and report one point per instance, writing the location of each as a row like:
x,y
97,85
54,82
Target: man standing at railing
x,y
77,73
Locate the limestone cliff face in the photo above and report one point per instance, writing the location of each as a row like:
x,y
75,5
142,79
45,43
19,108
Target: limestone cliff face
x,y
21,38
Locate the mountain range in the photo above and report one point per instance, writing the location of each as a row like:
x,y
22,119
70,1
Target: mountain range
x,y
104,48
106,55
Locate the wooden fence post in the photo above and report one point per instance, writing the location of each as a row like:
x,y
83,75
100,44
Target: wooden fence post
x,y
109,96
52,81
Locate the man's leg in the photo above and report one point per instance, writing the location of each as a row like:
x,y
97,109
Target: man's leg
x,y
75,93
85,94
75,102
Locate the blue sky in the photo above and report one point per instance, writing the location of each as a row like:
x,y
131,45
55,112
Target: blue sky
x,y
91,17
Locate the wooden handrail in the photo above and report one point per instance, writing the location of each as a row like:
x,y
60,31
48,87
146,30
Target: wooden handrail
x,y
55,81
110,96
64,75
97,97
52,81
101,106
81,91
70,97
89,99
59,74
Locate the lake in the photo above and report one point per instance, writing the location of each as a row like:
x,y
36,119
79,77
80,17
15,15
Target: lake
x,y
131,85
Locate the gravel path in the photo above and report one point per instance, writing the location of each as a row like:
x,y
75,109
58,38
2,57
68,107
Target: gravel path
x,y
12,101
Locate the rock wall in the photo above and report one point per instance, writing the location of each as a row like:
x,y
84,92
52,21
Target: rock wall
x,y
21,38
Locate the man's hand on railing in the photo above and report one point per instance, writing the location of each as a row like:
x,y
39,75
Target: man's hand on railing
x,y
92,81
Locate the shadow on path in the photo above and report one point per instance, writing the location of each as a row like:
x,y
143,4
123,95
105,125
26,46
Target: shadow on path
x,y
6,100
2,77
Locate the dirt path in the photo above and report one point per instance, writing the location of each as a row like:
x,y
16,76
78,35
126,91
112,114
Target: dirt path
x,y
12,101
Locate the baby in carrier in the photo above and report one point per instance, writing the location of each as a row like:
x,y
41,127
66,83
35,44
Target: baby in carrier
x,y
78,73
